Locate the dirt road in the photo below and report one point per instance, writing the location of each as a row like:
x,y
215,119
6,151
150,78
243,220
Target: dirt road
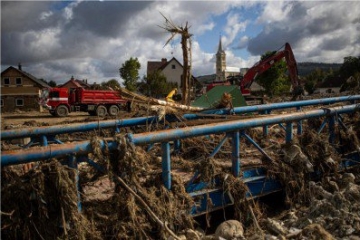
x,y
34,119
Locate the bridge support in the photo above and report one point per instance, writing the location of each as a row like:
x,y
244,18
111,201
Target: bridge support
x,y
289,132
332,129
299,123
235,155
166,164
218,147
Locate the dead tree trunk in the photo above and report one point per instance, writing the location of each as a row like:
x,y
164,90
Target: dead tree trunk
x,y
186,49
186,70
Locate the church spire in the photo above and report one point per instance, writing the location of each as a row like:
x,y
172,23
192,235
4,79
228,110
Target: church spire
x,y
220,63
220,46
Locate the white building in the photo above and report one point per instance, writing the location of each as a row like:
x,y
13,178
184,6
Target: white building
x,y
172,69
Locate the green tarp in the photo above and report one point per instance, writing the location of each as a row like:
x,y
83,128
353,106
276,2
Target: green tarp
x,y
212,98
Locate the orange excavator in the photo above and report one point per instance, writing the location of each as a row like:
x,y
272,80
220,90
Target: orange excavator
x,y
264,65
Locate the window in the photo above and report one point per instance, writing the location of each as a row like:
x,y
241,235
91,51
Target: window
x,y
19,102
173,66
18,81
2,102
6,81
54,95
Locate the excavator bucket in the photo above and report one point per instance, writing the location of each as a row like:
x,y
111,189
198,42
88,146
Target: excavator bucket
x,y
213,98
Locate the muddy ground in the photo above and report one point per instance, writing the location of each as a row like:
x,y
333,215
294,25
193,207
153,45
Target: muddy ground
x,y
45,119
128,201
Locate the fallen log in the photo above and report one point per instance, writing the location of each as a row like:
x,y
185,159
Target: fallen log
x,y
141,98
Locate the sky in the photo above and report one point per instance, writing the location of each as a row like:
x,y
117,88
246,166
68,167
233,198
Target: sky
x,y
55,40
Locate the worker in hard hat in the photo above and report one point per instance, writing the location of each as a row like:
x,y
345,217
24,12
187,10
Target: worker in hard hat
x,y
169,97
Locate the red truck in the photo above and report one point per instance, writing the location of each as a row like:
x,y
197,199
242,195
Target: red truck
x,y
61,101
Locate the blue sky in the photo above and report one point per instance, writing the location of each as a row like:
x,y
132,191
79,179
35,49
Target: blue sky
x,y
92,39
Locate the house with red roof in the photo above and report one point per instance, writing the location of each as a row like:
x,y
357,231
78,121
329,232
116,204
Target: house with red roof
x,y
75,83
172,69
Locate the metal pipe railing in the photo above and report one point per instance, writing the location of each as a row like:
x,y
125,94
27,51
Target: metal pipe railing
x,y
82,127
84,147
283,105
20,156
77,127
229,126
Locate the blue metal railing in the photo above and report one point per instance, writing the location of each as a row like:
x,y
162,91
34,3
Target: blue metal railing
x,y
51,131
165,136
229,126
234,129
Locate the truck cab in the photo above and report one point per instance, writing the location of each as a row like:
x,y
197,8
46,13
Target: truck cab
x,y
56,100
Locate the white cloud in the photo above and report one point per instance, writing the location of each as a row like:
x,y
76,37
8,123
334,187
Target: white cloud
x,y
275,11
206,27
92,39
45,15
317,31
233,26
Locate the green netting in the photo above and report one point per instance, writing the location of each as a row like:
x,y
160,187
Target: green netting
x,y
212,98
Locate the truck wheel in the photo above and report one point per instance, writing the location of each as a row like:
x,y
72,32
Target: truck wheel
x,y
101,111
62,111
113,110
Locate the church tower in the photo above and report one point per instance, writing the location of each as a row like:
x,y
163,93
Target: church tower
x,y
220,63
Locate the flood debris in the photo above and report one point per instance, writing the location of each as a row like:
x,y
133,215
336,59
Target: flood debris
x,y
327,208
128,200
42,204
225,101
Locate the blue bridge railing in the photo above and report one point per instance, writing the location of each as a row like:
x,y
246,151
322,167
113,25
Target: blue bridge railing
x,y
255,179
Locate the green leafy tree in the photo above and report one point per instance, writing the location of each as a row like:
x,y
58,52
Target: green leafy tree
x,y
314,78
130,73
155,85
274,80
352,84
96,86
112,84
281,85
350,66
52,83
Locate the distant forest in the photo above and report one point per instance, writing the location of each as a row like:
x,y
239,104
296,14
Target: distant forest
x,y
305,68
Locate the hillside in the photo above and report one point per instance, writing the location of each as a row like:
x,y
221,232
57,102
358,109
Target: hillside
x,y
305,68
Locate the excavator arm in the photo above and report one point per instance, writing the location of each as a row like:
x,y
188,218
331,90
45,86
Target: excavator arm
x,y
265,64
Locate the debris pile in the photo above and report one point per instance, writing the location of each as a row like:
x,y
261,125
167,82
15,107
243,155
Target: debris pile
x,y
128,200
42,204
333,212
322,202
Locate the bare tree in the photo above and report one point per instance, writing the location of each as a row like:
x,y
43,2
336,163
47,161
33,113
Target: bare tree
x,y
186,49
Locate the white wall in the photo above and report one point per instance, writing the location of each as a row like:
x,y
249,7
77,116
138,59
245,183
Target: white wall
x,y
173,75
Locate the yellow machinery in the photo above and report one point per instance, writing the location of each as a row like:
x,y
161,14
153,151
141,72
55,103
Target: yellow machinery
x,y
169,97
